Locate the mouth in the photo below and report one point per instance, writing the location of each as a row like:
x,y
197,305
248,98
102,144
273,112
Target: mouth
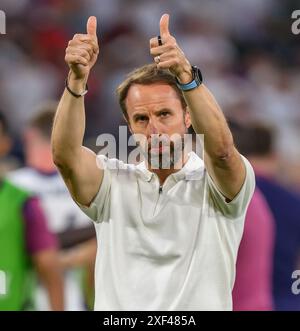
x,y
158,148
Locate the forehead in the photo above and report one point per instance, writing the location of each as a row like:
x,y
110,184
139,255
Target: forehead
x,y
152,96
33,133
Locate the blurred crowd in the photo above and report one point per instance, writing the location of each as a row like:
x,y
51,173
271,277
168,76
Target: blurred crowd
x,y
248,55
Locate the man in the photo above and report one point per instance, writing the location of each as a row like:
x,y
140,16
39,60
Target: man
x,y
65,220
7,161
168,237
253,283
285,206
254,268
25,242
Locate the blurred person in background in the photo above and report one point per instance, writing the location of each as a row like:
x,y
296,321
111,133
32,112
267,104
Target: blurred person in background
x,y
82,256
254,269
285,206
26,244
5,145
75,237
7,161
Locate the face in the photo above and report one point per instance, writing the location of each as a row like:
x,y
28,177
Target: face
x,y
37,149
5,142
156,112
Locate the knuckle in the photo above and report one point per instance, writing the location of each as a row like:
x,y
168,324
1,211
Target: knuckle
x,y
172,44
94,47
84,49
90,39
152,41
84,53
90,48
175,54
69,50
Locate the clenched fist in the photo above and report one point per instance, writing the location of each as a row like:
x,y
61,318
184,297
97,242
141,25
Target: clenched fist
x,y
169,55
83,50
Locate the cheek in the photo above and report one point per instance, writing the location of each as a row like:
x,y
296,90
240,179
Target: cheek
x,y
138,129
177,125
36,150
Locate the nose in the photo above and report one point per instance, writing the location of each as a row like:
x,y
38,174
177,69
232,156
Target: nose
x,y
153,126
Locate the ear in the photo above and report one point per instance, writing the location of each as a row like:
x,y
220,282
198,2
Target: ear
x,y
5,146
187,118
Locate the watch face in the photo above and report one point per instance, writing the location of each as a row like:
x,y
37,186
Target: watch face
x,y
197,74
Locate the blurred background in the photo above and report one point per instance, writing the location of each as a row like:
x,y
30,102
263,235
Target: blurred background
x,y
250,60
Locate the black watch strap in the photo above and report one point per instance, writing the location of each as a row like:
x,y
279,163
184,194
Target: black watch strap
x,y
75,94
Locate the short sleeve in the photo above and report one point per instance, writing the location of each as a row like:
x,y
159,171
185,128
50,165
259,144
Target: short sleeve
x,y
101,201
38,236
238,206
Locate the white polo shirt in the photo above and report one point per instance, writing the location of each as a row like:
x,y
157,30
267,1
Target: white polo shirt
x,y
169,250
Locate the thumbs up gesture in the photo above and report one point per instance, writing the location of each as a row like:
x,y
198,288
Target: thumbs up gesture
x,y
83,50
169,55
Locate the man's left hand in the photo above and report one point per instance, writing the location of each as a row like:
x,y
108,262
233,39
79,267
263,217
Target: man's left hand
x,y
169,55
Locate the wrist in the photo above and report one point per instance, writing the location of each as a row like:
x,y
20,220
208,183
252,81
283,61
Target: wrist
x,y
190,83
75,86
186,76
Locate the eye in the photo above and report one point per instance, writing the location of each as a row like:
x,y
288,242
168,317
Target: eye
x,y
141,118
164,114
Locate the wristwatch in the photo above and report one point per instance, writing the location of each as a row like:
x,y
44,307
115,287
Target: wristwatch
x,y
197,80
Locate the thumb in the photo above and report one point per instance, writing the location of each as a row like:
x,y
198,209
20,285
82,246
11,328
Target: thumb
x,y
91,26
164,26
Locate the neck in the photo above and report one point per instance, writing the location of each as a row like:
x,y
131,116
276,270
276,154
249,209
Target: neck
x,y
44,167
40,159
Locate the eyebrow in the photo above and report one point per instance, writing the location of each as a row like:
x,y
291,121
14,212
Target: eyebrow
x,y
163,110
144,113
138,114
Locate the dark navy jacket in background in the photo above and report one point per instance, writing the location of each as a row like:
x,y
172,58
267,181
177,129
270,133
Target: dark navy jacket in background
x,y
285,206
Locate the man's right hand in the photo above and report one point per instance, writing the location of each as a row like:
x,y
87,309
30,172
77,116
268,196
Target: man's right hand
x,y
76,163
82,51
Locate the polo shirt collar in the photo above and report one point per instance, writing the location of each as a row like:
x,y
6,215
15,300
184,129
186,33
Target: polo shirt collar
x,y
144,172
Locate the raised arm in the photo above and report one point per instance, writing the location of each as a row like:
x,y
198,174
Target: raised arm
x,y
76,163
222,160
